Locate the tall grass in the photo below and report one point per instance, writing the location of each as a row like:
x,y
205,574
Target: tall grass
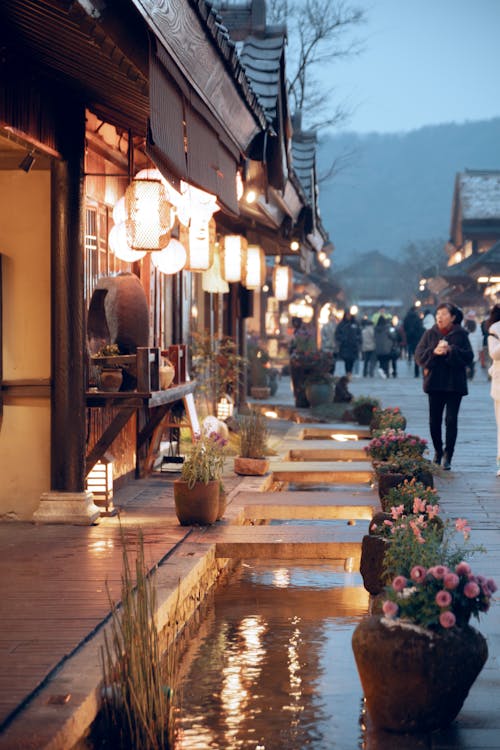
x,y
138,687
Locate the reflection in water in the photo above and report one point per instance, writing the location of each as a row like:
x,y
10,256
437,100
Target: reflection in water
x,y
275,670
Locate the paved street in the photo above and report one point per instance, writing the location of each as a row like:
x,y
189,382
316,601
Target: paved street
x,y
53,594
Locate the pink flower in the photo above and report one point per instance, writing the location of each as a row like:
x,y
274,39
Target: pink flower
x,y
462,569
397,511
387,522
438,571
461,524
399,583
390,609
447,619
471,590
451,581
443,598
418,573
432,511
418,505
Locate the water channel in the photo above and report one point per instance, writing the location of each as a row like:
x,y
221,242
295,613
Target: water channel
x,y
272,666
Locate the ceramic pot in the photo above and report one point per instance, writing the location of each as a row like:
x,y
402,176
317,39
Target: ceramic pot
x,y
373,549
319,393
167,373
110,379
415,680
250,467
199,505
222,503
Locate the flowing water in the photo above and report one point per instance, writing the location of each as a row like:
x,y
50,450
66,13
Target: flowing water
x,y
272,667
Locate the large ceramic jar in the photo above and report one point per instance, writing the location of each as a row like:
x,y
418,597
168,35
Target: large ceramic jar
x,y
319,393
414,679
196,505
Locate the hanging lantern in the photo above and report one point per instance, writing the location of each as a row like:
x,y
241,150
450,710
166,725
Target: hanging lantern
x,y
117,241
171,259
200,254
233,257
148,215
255,268
119,211
282,282
211,280
225,407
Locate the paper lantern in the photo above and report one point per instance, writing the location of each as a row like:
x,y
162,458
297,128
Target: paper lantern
x,y
148,215
171,259
254,276
200,249
282,282
117,241
233,258
211,280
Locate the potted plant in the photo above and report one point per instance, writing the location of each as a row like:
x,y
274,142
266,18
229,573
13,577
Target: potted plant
x,y
422,644
217,368
398,532
319,388
393,443
197,492
253,435
393,473
383,419
109,375
362,409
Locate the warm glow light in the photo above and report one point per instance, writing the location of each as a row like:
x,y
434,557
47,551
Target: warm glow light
x,y
321,256
239,186
225,407
119,211
233,257
251,196
483,279
271,414
211,280
354,309
418,303
148,215
171,259
327,263
343,438
200,255
117,241
282,282
255,268
294,245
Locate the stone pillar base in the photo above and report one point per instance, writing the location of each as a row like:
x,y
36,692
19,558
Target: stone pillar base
x,y
77,508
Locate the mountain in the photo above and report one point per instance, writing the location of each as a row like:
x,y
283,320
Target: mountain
x,y
393,189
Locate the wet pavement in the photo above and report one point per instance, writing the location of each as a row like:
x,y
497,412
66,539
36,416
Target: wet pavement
x,y
53,592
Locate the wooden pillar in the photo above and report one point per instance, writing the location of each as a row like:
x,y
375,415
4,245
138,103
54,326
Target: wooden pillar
x,y
67,501
68,345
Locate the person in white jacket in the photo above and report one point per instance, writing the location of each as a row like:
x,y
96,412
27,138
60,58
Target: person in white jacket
x,y
493,328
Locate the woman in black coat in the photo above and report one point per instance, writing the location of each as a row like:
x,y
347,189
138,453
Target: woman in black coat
x,y
444,353
348,338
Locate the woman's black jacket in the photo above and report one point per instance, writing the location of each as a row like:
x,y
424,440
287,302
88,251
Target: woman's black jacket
x,y
446,372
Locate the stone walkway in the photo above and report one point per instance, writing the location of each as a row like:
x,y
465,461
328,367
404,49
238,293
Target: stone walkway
x,y
53,595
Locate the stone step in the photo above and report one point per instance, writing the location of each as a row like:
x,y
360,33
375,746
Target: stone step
x,y
280,542
318,452
325,432
347,505
337,472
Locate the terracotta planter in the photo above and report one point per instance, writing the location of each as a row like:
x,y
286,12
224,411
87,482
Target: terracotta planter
x,y
222,503
249,467
416,680
199,505
373,549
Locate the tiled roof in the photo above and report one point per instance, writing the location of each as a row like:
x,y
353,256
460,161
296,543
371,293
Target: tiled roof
x,y
479,194
227,48
262,60
304,160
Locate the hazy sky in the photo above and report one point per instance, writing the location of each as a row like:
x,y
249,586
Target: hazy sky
x,y
425,62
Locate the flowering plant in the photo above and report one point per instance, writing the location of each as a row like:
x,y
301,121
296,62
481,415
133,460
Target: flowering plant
x,y
395,444
410,467
363,408
383,419
406,493
439,596
319,363
205,461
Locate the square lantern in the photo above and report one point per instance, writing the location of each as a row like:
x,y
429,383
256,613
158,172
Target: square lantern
x,y
148,219
100,483
255,268
212,280
282,282
233,258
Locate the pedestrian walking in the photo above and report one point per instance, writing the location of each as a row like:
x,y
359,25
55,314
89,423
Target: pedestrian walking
x,y
493,333
414,329
473,328
383,345
368,348
397,344
328,342
348,338
444,352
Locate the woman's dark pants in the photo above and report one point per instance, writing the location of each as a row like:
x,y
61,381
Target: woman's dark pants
x,y
438,402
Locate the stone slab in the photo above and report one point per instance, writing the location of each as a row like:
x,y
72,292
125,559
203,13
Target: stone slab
x,y
356,505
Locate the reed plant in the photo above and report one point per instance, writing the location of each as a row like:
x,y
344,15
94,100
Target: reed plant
x,y
253,433
137,685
